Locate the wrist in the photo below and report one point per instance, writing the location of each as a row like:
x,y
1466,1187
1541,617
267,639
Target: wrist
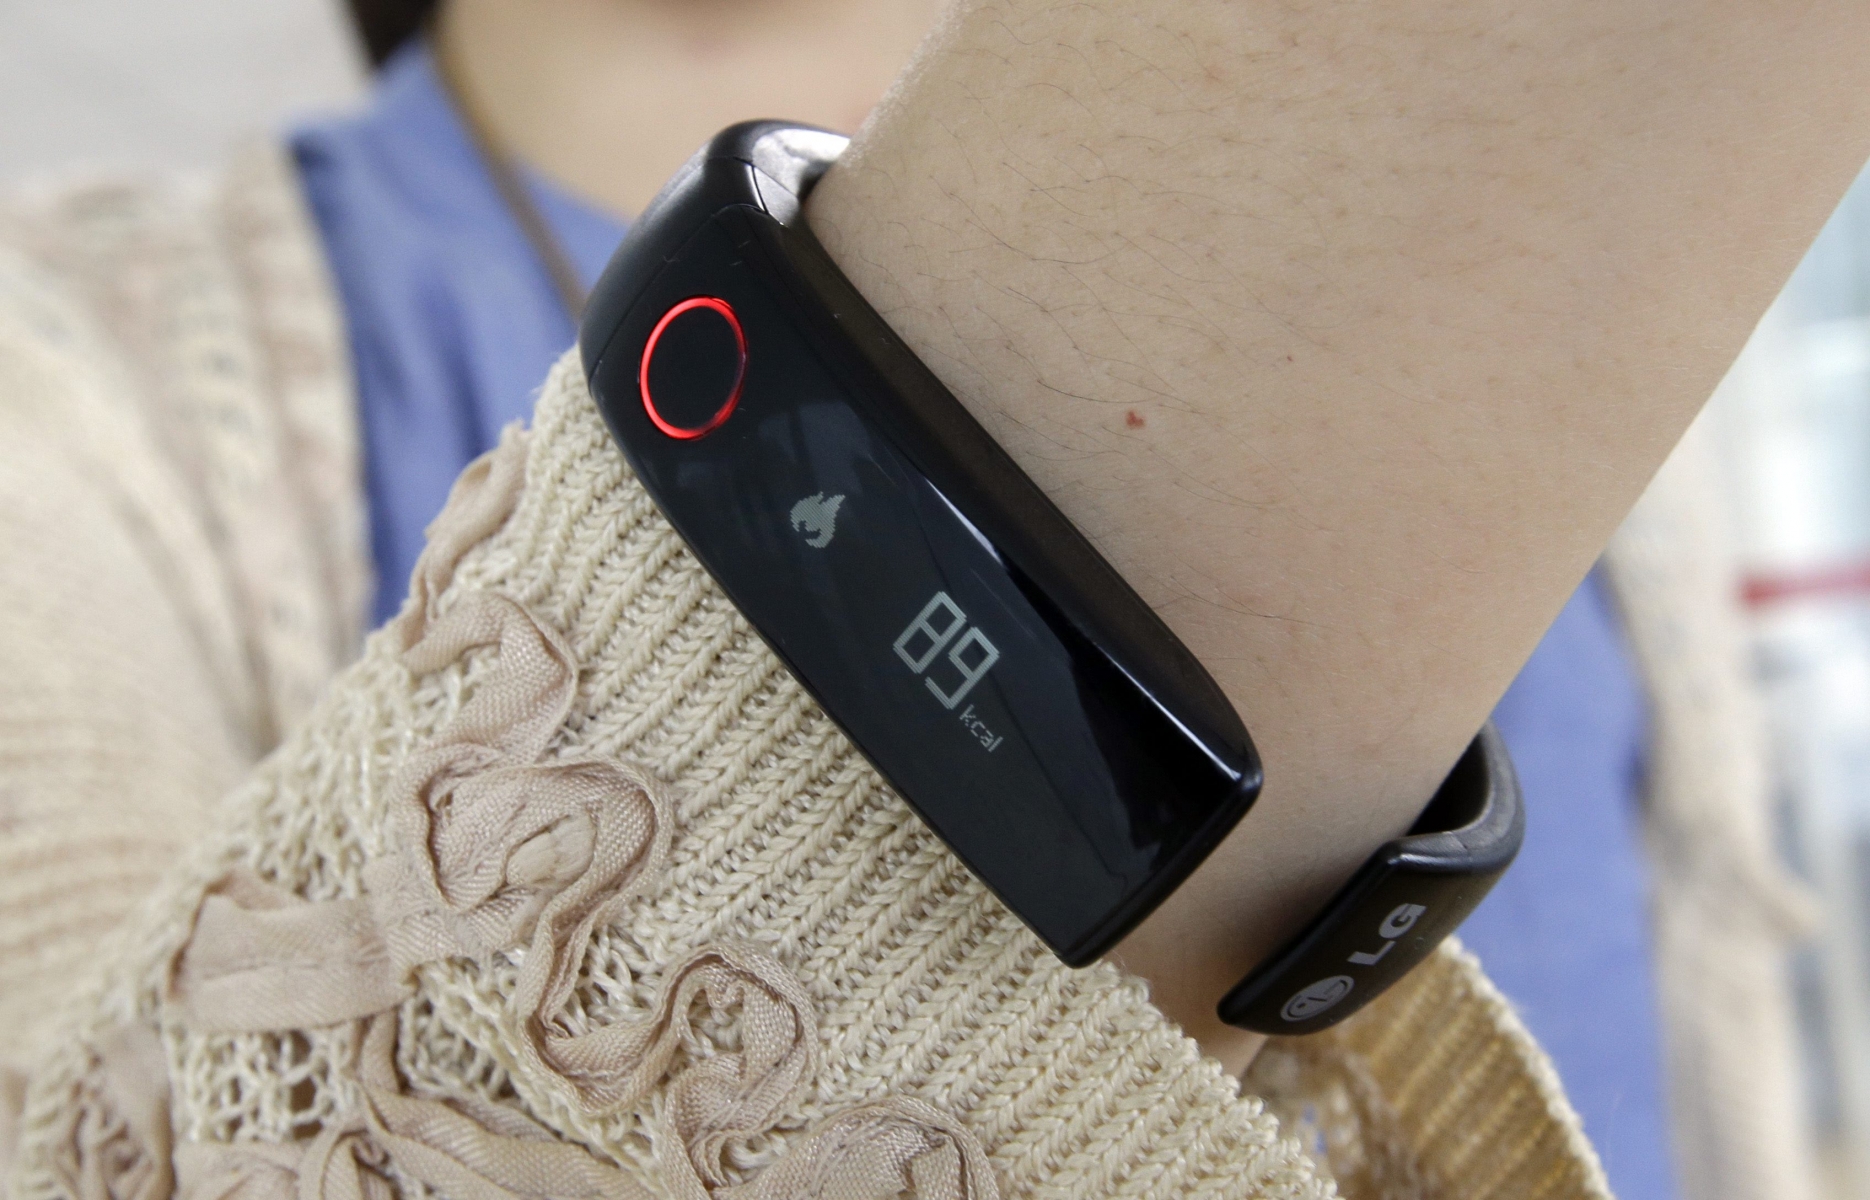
x,y
1012,260
1316,322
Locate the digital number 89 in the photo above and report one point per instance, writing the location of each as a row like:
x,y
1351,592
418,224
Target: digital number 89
x,y
955,622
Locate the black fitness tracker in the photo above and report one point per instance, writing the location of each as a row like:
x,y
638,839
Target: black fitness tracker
x,y
970,642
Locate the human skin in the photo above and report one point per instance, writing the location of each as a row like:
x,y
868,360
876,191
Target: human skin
x,y
1347,332
609,97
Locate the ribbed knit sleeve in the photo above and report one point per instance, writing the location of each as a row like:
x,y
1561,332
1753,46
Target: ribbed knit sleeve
x,y
924,984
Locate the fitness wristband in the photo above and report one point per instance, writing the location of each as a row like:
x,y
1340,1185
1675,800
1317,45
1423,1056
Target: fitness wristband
x,y
970,642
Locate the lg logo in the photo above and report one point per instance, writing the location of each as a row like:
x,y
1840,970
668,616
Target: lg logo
x,y
1325,994
1401,918
1317,997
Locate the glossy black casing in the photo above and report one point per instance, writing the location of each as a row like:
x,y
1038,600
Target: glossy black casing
x,y
840,492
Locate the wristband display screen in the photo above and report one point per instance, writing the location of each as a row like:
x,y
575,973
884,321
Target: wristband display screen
x,y
996,671
963,634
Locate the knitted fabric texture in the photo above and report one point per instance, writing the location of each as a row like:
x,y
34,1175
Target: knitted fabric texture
x,y
568,889
770,978
182,567
1435,1090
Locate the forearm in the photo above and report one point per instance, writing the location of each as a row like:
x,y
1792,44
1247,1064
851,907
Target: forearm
x,y
1349,335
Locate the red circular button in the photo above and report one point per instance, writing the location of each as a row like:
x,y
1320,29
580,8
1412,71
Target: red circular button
x,y
699,305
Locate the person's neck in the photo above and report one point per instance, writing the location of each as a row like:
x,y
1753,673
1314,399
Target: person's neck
x,y
608,97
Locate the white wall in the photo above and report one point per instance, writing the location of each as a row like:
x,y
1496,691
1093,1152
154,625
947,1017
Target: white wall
x,y
162,82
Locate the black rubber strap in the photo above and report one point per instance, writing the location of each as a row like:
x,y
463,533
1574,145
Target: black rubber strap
x,y
1397,908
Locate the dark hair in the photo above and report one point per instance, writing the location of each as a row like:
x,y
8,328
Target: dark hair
x,y
386,24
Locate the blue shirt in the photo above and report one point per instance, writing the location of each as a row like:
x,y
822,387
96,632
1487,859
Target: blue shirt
x,y
454,322
1566,933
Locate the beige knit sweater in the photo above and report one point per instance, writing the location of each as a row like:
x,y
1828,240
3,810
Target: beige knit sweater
x,y
182,568
564,888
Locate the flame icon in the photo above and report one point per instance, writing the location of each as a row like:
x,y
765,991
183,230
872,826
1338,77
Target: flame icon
x,y
816,517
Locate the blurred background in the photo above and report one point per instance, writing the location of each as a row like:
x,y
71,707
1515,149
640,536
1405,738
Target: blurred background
x,y
179,83
168,83
1793,417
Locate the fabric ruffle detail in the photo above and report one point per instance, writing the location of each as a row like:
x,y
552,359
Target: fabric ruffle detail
x,y
498,846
